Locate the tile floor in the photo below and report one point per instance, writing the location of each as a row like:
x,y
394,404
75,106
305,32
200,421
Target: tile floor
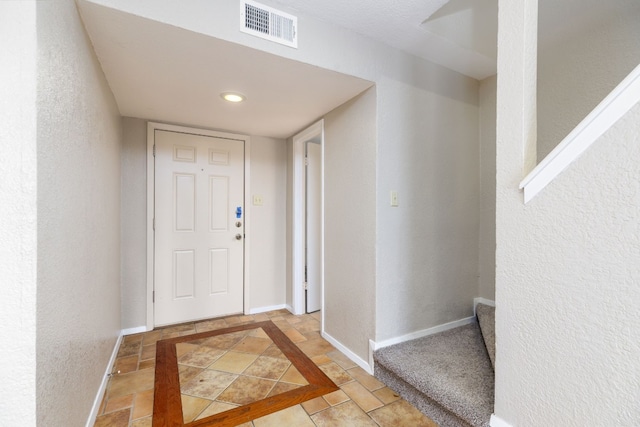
x,y
361,401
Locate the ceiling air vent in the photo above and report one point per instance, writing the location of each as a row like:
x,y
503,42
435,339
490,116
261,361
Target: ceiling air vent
x,y
268,23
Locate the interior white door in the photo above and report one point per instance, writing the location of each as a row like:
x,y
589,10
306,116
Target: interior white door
x,y
199,242
314,226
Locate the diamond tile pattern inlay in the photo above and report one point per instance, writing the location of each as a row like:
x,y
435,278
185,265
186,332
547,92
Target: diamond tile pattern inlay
x,y
215,374
235,373
238,375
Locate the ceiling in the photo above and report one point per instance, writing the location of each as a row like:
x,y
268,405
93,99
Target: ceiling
x,y
168,74
165,73
458,34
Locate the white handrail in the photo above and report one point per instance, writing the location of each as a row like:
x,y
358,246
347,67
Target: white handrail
x,y
606,114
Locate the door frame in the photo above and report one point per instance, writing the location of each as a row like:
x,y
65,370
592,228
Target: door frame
x,y
151,128
299,214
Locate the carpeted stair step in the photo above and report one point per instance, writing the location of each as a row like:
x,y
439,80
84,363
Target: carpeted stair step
x,y
448,376
487,319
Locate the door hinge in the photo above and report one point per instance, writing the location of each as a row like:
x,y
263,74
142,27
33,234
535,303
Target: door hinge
x,y
306,161
306,286
154,150
154,224
153,296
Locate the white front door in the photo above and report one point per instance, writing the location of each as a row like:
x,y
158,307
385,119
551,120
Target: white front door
x,y
199,241
313,196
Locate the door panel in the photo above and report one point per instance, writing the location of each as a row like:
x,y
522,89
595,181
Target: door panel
x,y
198,263
185,201
184,274
218,271
219,203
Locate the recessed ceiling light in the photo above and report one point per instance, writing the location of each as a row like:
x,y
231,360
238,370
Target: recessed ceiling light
x,y
232,96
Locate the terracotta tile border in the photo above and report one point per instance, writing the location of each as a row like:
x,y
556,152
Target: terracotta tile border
x,y
167,406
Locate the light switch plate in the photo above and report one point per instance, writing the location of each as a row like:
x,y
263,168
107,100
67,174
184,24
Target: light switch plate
x,y
394,199
257,200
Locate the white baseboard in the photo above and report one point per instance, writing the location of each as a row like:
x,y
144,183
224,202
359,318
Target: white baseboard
x,y
137,330
350,354
292,311
269,308
105,379
484,301
372,363
419,334
496,421
490,302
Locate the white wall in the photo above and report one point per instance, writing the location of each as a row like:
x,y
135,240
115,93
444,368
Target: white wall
x,y
18,212
487,237
581,60
268,223
350,222
78,137
567,263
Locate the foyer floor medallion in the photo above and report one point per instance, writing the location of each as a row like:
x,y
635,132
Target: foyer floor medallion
x,y
231,376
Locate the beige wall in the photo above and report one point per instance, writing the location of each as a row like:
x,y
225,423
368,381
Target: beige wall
x,y
567,341
427,247
18,212
580,62
289,236
268,223
133,161
487,236
78,137
350,222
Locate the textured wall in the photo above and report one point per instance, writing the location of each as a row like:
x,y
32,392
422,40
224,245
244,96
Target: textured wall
x,y
581,60
268,222
487,238
18,213
567,263
289,233
349,245
79,132
133,209
427,247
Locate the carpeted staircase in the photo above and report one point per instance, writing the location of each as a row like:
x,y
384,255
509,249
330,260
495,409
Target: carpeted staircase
x,y
448,376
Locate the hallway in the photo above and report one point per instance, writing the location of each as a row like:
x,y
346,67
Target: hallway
x,y
361,400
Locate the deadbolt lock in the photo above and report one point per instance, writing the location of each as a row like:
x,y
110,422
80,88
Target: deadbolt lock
x,y
238,224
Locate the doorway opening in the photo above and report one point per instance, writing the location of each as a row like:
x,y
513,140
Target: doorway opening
x,y
308,220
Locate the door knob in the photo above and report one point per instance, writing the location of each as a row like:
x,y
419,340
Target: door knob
x,y
238,236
